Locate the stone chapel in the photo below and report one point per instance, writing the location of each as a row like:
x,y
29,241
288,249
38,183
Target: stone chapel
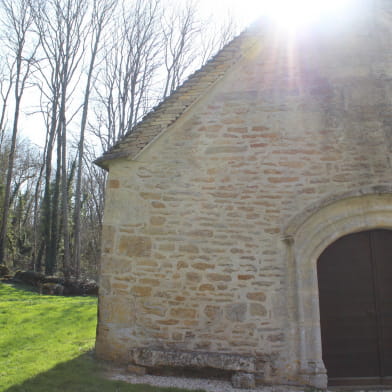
x,y
248,219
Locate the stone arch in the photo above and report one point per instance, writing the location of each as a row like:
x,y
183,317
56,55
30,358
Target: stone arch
x,y
306,239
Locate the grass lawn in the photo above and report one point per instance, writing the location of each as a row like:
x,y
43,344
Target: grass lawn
x,y
46,345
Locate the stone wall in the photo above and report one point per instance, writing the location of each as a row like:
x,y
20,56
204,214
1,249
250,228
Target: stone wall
x,y
195,254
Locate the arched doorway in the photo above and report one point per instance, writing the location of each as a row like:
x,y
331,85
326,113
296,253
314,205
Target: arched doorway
x,y
305,238
355,296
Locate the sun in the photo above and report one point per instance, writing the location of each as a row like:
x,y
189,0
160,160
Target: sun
x,y
292,14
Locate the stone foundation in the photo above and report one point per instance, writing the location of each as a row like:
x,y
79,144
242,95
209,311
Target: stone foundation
x,y
241,367
191,359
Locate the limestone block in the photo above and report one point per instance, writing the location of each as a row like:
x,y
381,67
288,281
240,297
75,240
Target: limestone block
x,y
243,380
134,246
193,359
183,313
257,310
138,370
256,296
108,235
236,312
213,312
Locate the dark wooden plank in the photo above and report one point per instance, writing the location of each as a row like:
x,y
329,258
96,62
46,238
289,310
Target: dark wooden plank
x,y
347,308
382,240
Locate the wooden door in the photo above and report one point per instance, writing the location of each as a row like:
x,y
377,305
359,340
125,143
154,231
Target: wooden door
x,y
382,248
355,292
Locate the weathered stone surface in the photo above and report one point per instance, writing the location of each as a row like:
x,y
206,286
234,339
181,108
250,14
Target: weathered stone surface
x,y
189,249
150,195
157,204
134,246
256,296
168,322
245,277
108,236
192,359
257,310
276,338
157,220
193,277
225,149
203,266
183,313
138,370
212,311
142,291
153,307
243,380
218,277
206,287
114,184
236,312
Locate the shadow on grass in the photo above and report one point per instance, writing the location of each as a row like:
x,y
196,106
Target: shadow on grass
x,y
24,289
21,290
82,374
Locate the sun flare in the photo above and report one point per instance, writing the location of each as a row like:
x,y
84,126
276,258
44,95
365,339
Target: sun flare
x,y
298,13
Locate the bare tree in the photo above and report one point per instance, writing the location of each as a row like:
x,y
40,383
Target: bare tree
x,y
131,60
100,14
180,28
62,28
6,80
215,37
48,82
93,190
19,228
17,19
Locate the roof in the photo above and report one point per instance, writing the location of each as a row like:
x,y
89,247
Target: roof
x,y
159,119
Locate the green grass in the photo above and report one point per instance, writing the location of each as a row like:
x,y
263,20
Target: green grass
x,y
46,345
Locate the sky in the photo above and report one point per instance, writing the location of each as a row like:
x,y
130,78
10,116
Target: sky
x,y
287,12
242,10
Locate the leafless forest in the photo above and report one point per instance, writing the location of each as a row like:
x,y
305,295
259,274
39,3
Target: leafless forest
x,y
83,73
